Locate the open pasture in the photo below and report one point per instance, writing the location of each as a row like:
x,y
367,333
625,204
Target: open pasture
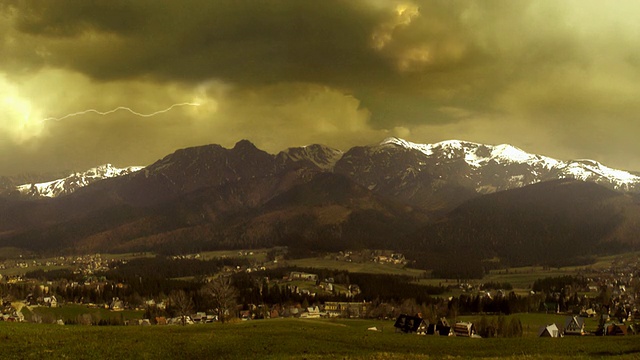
x,y
287,339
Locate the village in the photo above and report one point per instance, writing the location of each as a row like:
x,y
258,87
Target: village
x,y
13,311
599,301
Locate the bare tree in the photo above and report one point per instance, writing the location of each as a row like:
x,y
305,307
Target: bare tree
x,y
182,304
223,296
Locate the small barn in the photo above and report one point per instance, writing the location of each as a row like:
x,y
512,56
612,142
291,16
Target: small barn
x,y
411,324
550,330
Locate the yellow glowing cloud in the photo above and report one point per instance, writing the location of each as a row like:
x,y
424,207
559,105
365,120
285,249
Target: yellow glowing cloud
x,y
402,15
16,113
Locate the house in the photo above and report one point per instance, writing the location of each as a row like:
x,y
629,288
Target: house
x,y
550,330
612,329
292,311
311,313
353,289
441,328
274,313
116,304
199,317
352,309
574,325
327,286
397,258
411,324
51,301
30,300
464,329
246,315
186,320
296,275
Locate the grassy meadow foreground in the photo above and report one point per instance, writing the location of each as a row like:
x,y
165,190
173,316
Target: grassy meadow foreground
x,y
288,339
114,290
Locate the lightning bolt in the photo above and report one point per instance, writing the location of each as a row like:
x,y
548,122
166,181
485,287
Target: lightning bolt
x,y
119,108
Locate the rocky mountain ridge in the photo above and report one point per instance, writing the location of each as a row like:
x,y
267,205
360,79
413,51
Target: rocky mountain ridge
x,y
419,174
393,195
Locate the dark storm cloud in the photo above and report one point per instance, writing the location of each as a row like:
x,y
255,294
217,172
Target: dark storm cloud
x,y
557,78
72,17
400,59
254,43
239,41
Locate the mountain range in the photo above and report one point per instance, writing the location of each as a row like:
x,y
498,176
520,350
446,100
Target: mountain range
x,y
437,201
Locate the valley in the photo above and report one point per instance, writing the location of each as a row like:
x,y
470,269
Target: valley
x,y
487,236
360,276
281,301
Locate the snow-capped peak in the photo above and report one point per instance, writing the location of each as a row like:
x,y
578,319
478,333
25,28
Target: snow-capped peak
x,y
428,149
74,181
541,167
475,154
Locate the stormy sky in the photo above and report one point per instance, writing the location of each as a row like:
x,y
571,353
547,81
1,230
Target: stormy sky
x,y
559,78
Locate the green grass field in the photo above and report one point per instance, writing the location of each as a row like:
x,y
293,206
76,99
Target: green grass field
x,y
365,267
287,339
531,322
257,255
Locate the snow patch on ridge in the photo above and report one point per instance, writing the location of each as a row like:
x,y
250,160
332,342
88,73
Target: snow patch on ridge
x,y
479,155
586,169
74,181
